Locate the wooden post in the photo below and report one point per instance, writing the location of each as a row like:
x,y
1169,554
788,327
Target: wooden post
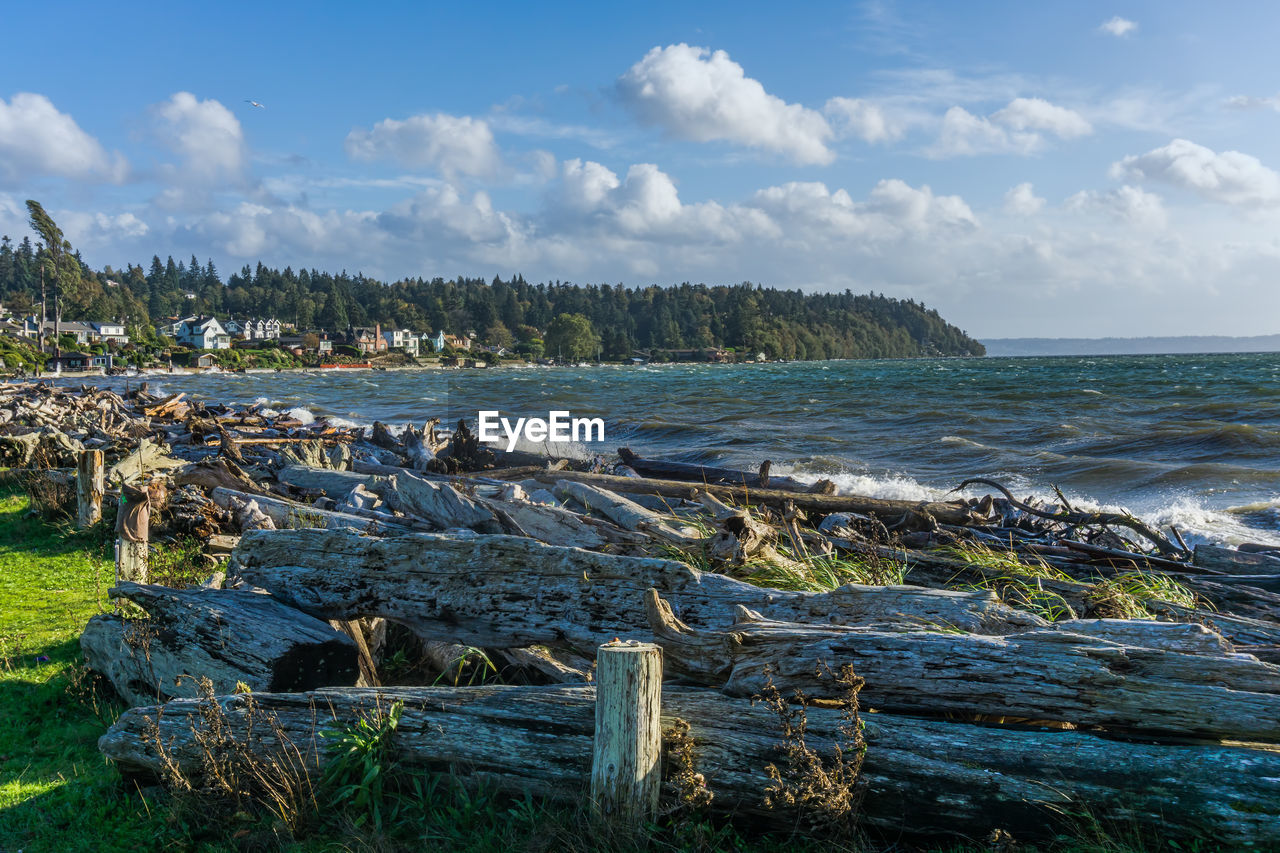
x,y
626,770
90,487
133,530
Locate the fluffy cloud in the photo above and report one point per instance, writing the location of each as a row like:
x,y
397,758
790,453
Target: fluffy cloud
x,y
1039,114
965,134
1018,128
455,145
1129,204
693,93
205,134
868,121
37,139
1118,27
1022,201
1229,177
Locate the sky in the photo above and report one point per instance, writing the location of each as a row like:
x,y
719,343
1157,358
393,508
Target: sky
x,y
1028,169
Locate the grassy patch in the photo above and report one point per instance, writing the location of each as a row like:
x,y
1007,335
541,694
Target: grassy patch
x,y
56,790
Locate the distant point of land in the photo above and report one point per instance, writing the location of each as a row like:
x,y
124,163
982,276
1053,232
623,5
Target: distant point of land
x,y
1182,345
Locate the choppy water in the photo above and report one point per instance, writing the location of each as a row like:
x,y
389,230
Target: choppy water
x,y
1188,439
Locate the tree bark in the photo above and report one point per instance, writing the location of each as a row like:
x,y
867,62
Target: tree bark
x,y
922,776
504,591
227,636
1158,677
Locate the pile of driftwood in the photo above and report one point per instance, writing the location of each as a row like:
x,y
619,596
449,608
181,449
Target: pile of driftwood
x,y
1027,663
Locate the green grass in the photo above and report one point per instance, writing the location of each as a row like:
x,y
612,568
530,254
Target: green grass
x,y
56,790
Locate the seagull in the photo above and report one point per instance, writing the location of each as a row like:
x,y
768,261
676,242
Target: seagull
x,y
255,103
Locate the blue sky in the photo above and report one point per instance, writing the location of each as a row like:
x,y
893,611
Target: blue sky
x,y
1081,170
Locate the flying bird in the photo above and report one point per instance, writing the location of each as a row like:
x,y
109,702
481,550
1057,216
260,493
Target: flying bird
x,y
255,103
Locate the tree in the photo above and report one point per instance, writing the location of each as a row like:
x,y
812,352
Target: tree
x,y
571,337
65,271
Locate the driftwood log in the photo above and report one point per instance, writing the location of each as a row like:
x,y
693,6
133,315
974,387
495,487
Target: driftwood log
x,y
290,514
921,776
1157,677
506,591
955,512
227,636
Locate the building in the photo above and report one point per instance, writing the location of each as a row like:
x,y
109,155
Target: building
x,y
367,340
262,329
201,333
403,339
112,333
441,340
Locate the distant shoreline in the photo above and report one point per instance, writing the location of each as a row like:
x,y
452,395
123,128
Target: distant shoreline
x,y
1171,345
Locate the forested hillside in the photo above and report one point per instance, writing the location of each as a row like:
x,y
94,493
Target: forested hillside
x,y
745,317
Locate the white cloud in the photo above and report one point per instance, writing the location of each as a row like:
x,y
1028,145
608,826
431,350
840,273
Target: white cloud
x,y
1250,102
456,145
585,186
1039,114
37,139
1017,128
1229,177
1129,204
205,134
699,95
866,120
1118,27
965,134
1022,201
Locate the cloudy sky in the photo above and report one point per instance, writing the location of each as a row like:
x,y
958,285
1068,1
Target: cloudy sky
x,y
1029,169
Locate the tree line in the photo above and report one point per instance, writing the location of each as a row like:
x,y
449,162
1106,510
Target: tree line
x,y
514,313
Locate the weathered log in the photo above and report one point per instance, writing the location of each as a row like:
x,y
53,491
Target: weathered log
x,y
213,473
1152,686
921,776
1228,560
503,591
289,514
333,483
227,636
142,463
950,513
627,514
551,524
664,469
438,503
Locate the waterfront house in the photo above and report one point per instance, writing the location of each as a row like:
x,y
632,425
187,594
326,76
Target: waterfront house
x,y
202,333
112,333
368,340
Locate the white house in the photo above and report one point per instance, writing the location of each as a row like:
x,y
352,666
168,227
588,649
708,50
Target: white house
x,y
111,332
202,333
403,339
262,329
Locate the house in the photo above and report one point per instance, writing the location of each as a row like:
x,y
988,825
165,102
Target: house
x,y
202,333
84,333
112,332
441,340
262,329
325,345
68,361
206,360
366,339
403,339
498,351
